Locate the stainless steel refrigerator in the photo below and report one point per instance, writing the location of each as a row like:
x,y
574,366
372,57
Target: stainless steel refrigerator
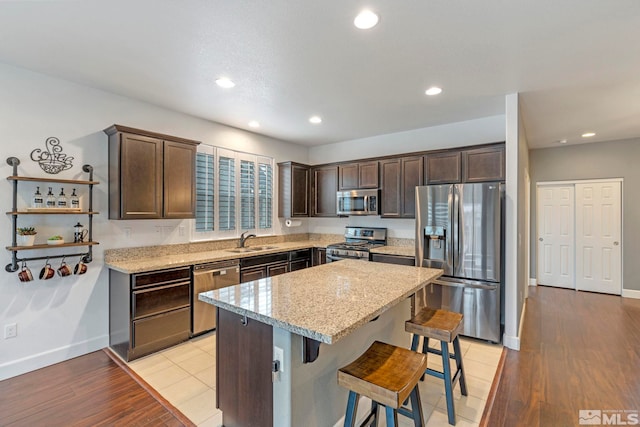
x,y
459,229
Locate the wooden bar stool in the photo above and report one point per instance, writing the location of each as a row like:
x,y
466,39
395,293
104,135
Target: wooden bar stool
x,y
389,376
444,326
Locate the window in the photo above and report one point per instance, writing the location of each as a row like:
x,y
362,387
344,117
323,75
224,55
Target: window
x,y
234,193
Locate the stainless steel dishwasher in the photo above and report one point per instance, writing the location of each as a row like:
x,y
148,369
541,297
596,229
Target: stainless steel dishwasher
x,y
209,277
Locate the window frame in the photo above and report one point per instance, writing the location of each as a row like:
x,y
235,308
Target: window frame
x,y
257,160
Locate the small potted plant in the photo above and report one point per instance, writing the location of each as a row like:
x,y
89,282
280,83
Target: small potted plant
x,y
26,236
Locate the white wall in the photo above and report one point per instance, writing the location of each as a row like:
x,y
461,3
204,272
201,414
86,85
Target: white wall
x,y
65,317
516,253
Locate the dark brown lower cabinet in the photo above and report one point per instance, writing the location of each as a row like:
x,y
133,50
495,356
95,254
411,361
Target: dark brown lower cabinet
x,y
244,391
148,311
393,259
319,256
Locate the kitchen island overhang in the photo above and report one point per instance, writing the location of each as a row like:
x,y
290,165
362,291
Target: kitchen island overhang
x,y
346,304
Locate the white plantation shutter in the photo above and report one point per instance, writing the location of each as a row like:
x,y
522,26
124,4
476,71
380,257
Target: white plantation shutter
x,y
204,191
265,193
247,195
226,193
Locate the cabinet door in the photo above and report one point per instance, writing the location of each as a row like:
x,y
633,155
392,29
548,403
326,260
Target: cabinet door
x,y
244,388
293,190
390,185
368,175
251,274
483,164
140,177
319,256
276,269
443,168
348,176
411,177
179,180
325,186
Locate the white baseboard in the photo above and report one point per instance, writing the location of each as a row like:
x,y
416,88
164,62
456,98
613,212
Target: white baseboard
x,y
631,293
533,282
36,361
512,342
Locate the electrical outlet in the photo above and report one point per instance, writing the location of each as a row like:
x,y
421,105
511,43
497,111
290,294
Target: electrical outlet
x,y
278,354
181,231
10,330
127,232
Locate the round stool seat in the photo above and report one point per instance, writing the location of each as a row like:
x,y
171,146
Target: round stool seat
x,y
384,373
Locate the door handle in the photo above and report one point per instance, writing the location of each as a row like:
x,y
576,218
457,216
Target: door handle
x,y
616,243
541,239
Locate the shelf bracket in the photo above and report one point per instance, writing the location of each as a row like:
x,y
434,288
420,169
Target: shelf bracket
x,y
310,350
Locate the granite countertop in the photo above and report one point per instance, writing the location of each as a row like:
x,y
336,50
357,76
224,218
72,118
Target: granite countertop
x,y
146,263
326,302
395,250
141,265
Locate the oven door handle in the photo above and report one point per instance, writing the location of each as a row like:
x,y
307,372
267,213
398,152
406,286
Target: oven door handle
x,y
333,258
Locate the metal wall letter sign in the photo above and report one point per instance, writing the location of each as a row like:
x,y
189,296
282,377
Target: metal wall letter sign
x,y
53,160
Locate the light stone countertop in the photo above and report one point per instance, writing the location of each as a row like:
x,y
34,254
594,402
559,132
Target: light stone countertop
x,y
141,265
395,250
325,302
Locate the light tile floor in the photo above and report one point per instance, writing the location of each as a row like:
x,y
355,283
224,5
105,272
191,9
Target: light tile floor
x,y
185,376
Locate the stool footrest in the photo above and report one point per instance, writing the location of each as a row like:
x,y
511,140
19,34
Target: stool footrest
x,y
440,375
439,352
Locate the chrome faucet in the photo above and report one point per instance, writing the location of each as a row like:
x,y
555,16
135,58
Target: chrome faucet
x,y
243,239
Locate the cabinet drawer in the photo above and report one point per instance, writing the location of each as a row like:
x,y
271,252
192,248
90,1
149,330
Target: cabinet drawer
x,y
159,277
156,332
158,299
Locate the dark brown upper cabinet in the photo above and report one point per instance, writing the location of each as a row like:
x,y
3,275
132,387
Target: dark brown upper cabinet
x,y
293,189
151,175
358,175
442,168
399,178
483,164
325,186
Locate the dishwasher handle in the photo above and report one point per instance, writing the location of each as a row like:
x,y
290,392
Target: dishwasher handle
x,y
218,271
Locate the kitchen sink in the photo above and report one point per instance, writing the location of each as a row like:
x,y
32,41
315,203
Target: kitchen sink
x,y
251,249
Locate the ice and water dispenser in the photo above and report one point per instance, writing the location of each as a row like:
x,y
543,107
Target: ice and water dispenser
x,y
434,241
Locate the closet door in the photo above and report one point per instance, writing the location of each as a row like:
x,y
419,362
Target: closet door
x,y
556,238
598,233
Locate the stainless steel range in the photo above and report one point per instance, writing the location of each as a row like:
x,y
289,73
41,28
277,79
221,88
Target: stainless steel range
x,y
358,242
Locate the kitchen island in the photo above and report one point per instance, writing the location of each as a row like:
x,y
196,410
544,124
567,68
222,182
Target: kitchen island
x,y
344,305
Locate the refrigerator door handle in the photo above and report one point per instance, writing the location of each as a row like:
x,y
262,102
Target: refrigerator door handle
x,y
454,250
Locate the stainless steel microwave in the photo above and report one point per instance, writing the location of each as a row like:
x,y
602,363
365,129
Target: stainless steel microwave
x,y
358,202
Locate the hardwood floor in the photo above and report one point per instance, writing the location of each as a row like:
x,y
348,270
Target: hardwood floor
x,y
579,351
91,390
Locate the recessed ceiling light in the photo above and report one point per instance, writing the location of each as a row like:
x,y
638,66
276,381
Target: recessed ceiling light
x,y
433,90
315,119
225,83
365,20
254,124
588,134
561,141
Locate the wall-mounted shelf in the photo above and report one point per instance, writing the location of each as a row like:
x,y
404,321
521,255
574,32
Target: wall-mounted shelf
x,y
14,248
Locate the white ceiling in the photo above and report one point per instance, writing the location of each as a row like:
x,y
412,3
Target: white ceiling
x,y
576,63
